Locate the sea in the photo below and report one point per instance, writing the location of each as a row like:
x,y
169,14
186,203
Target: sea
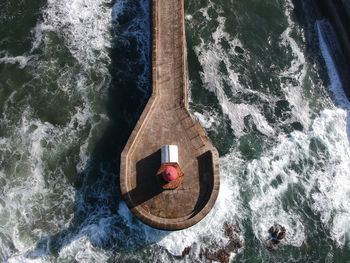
x,y
75,76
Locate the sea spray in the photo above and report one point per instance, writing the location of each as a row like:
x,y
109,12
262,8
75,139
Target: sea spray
x,y
331,202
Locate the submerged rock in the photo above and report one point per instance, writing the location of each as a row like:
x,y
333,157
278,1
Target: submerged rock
x,y
223,254
220,255
277,233
216,252
231,231
184,253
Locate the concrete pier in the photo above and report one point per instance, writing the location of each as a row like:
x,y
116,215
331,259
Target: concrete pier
x,y
338,13
166,121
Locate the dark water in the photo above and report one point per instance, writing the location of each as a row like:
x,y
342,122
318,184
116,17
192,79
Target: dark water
x,y
74,78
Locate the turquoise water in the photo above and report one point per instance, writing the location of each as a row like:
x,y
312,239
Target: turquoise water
x,y
74,78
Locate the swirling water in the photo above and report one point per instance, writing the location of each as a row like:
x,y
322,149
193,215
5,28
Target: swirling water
x,y
74,78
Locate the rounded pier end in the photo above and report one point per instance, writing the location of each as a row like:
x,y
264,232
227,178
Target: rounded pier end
x,y
177,204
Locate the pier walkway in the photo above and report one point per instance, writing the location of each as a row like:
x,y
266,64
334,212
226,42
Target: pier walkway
x,y
166,121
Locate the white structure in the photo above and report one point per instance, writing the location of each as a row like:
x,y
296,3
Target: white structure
x,y
170,154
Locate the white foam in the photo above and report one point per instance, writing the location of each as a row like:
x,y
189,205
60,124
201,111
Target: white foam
x,y
29,194
204,10
332,182
210,57
275,165
81,250
297,71
334,187
206,119
78,250
23,259
21,60
188,17
35,146
297,67
84,25
37,33
266,203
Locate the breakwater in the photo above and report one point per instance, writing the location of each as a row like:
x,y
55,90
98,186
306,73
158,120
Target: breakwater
x,y
338,13
166,121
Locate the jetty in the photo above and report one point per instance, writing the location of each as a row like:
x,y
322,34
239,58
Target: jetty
x,y
338,13
166,121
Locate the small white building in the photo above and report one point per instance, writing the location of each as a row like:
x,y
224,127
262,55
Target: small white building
x,y
170,154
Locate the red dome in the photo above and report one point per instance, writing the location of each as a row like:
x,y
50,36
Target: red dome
x,y
170,174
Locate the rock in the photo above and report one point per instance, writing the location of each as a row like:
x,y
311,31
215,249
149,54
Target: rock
x,y
231,231
270,245
281,235
220,255
228,229
277,233
231,247
186,251
238,241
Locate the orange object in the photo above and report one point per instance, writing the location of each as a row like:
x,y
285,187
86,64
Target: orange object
x,y
172,184
170,174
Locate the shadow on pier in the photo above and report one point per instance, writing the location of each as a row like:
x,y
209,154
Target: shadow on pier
x,y
146,189
337,79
